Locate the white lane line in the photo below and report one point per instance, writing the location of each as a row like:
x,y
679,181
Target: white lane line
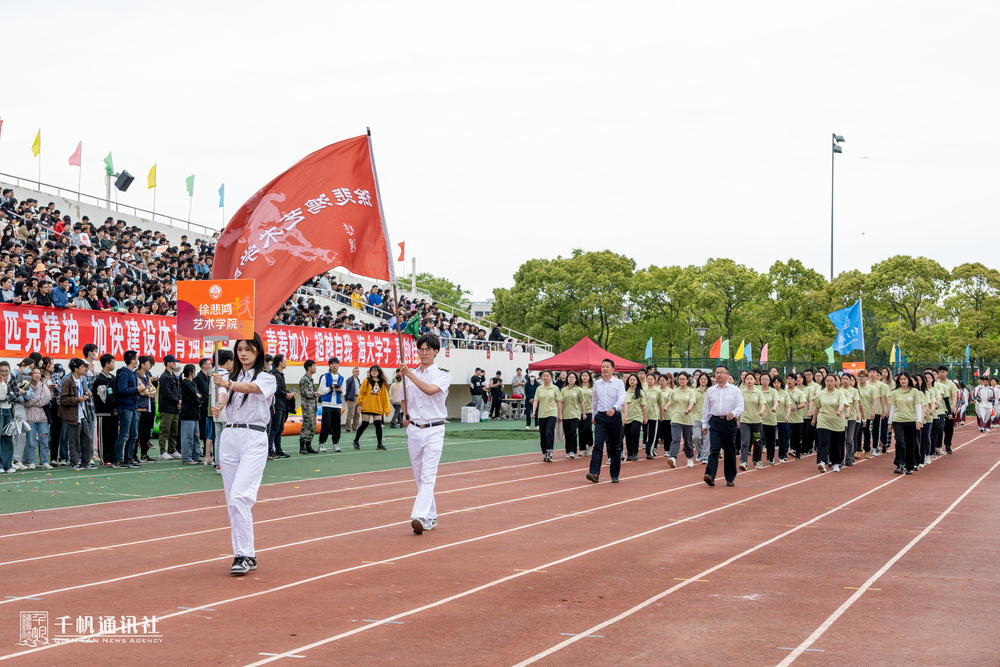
x,y
288,481
286,518
356,532
811,639
404,556
263,500
552,564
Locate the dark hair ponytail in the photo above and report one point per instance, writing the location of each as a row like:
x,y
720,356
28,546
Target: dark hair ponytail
x,y
258,364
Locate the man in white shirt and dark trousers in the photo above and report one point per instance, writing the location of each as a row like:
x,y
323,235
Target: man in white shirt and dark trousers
x,y
608,398
723,406
330,390
424,416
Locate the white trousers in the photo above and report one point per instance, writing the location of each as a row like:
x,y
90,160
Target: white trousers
x,y
983,412
425,445
242,455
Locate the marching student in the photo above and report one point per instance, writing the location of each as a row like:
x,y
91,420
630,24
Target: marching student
x,y
547,410
635,416
424,416
769,418
244,442
750,420
867,397
827,410
783,415
680,406
850,389
984,399
796,415
906,414
573,407
701,444
587,420
655,403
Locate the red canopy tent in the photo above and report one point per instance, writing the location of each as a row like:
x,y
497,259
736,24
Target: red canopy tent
x,y
584,356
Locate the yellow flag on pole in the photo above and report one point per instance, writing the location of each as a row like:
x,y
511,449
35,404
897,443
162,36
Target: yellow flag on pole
x,y
151,179
739,352
892,356
36,147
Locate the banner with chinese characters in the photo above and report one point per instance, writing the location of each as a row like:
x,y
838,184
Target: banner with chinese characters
x,y
61,334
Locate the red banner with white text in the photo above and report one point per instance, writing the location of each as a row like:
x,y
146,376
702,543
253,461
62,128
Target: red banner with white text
x,y
61,334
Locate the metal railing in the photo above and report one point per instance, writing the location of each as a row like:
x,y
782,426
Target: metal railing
x,y
103,202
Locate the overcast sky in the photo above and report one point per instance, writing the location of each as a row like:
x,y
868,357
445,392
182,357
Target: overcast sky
x,y
668,131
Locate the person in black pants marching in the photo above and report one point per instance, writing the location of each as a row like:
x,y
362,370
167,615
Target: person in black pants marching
x,y
529,401
279,412
608,399
723,405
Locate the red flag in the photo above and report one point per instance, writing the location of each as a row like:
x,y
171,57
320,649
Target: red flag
x,y
322,213
402,250
716,350
74,159
977,372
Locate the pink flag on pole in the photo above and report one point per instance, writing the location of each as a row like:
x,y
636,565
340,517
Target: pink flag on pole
x,y
763,354
74,159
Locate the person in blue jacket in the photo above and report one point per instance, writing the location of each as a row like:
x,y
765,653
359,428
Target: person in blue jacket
x,y
331,391
128,421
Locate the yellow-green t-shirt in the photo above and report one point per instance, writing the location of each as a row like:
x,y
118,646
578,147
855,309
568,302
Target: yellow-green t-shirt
x,y
770,396
883,391
752,400
933,394
680,399
867,395
906,403
826,404
652,402
784,400
571,402
797,396
851,394
699,404
634,405
546,399
811,390
587,394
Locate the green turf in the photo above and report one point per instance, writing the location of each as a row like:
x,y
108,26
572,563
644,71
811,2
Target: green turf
x,y
61,487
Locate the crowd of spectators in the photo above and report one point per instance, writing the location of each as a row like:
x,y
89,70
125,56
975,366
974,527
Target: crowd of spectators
x,y
47,259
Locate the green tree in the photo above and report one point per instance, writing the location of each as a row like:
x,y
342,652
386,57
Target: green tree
x,y
794,307
909,287
443,290
974,304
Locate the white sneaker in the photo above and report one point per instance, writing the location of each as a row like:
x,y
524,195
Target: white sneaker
x,y
759,465
821,467
11,470
927,459
527,428
430,524
176,455
690,463
836,467
672,462
18,465
743,465
322,448
46,466
571,455
165,457
31,466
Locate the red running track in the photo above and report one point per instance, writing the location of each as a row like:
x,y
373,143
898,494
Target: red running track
x,y
532,564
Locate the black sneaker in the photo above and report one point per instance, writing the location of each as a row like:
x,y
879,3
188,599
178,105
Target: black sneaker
x,y
382,448
283,455
119,465
135,464
241,565
357,445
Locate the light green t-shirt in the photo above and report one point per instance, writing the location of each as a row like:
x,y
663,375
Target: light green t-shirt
x,y
547,398
906,403
867,395
587,394
883,391
851,394
798,415
933,395
680,399
784,400
810,390
770,396
634,405
699,404
571,402
652,402
752,400
826,405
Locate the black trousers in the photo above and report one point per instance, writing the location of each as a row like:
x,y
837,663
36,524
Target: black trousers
x,y
607,431
571,428
866,434
547,433
907,442
884,438
651,433
723,437
496,403
808,430
949,431
795,438
633,431
108,426
769,434
586,431
831,446
145,431
330,426
277,425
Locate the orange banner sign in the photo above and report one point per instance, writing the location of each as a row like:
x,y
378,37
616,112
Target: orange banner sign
x,y
215,309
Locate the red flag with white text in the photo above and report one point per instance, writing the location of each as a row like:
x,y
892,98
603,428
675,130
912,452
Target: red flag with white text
x,y
322,213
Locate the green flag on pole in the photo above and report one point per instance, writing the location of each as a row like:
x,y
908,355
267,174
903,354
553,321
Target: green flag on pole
x,y
829,354
190,185
108,166
724,351
413,326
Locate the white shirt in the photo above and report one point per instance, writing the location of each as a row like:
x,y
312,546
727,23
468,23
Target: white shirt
x,y
424,409
983,395
222,392
81,408
3,395
721,400
257,407
608,395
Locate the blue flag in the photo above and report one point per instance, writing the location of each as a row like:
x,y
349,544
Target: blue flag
x,y
850,330
222,195
968,350
649,348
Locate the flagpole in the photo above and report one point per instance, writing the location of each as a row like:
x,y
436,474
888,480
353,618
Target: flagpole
x,y
154,204
399,334
190,203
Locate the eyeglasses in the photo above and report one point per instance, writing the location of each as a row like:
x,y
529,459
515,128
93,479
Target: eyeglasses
x,y
425,349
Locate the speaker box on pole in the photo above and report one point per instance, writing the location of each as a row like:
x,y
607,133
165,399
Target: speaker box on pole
x,y
124,180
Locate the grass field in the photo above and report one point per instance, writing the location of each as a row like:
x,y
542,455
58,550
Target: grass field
x,y
37,490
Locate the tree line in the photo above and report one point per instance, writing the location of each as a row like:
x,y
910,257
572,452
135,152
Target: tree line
x,y
931,313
